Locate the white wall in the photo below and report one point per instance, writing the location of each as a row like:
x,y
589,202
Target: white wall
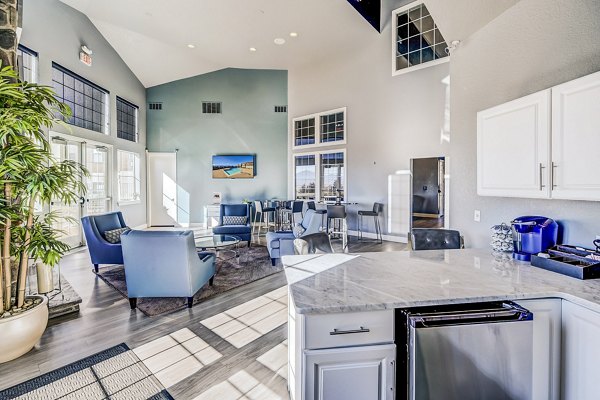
x,y
57,31
534,45
389,119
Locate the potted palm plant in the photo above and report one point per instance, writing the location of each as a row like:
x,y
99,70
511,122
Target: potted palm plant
x,y
29,178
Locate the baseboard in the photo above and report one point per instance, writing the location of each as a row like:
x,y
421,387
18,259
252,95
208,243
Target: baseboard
x,y
389,238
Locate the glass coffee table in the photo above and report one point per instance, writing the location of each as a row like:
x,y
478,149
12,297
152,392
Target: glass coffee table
x,y
220,244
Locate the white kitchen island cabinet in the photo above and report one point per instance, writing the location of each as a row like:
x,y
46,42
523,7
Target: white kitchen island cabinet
x,y
351,373
546,346
580,352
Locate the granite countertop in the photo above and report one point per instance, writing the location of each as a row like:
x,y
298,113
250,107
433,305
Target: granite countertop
x,y
329,283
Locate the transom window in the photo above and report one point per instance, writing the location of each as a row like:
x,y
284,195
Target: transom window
x,y
128,173
320,175
324,128
28,62
127,120
88,101
418,42
304,131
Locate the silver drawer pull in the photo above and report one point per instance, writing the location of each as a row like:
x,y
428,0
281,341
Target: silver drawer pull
x,y
348,332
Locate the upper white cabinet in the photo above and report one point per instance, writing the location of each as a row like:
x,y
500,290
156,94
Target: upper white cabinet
x,y
576,139
543,145
512,148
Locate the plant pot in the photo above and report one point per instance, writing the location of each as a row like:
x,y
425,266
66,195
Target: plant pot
x,y
45,278
22,331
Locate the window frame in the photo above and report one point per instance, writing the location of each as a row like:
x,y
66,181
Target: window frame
x,y
35,62
427,64
137,178
317,154
106,95
136,118
318,133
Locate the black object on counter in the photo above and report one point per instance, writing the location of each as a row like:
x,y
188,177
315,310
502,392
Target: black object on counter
x,y
576,262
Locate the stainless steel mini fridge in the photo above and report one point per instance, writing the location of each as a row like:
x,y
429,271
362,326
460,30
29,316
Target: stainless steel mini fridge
x,y
467,352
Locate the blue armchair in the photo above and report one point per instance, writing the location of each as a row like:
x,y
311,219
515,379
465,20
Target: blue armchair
x,y
282,243
101,251
164,264
243,231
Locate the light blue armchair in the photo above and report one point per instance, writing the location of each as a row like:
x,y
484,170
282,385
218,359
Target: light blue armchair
x,y
164,264
282,243
101,251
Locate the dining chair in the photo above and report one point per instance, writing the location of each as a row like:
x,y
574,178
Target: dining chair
x,y
259,216
435,239
377,210
336,222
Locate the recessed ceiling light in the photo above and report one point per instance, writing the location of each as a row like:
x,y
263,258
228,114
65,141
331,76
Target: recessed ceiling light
x,y
293,34
279,41
191,46
252,49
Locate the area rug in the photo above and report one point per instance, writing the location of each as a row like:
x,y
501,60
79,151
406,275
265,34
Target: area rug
x,y
115,373
253,264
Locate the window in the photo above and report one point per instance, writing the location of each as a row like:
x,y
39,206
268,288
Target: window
x,y
27,62
127,120
417,41
304,132
332,176
320,175
88,101
128,172
331,129
306,176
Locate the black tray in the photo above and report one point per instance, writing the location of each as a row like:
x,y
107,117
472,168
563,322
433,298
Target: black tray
x,y
571,261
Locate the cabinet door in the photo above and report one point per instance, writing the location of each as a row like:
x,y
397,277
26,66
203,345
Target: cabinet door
x,y
576,139
513,148
351,373
580,353
546,347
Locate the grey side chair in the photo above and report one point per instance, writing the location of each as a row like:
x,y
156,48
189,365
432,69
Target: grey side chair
x,y
435,239
375,213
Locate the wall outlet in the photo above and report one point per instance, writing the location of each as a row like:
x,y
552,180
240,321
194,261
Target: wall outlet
x,y
477,216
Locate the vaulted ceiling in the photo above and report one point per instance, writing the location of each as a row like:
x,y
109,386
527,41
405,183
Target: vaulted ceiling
x,y
152,36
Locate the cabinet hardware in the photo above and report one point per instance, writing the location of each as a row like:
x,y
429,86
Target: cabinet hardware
x,y
552,176
348,332
542,186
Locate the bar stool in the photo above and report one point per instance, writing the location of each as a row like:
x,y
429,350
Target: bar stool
x,y
336,217
311,206
377,209
259,209
290,213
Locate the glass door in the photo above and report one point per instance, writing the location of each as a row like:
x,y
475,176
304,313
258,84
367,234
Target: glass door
x,y
69,214
97,199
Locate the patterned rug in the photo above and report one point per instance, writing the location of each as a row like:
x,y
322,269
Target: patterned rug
x,y
115,373
253,264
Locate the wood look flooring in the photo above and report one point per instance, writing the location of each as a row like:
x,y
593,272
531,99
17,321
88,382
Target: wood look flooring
x,y
186,350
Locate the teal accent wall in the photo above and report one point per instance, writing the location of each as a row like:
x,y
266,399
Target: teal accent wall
x,y
247,125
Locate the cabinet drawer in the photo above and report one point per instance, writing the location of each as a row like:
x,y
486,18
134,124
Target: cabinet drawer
x,y
349,329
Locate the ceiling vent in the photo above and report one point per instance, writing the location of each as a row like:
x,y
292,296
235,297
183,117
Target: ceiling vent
x,y
280,109
211,107
155,106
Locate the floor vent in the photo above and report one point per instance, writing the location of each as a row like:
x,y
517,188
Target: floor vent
x,y
211,107
280,109
155,106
